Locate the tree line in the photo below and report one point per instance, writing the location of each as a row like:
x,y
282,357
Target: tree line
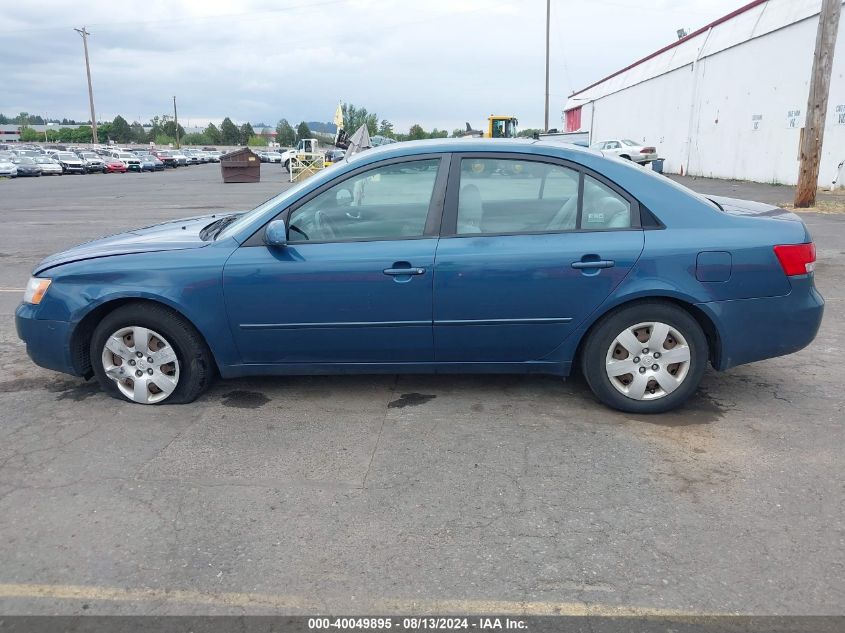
x,y
163,130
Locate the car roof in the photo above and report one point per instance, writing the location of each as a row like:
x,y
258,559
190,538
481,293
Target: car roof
x,y
475,145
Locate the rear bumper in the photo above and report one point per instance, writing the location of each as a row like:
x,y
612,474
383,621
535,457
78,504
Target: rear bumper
x,y
756,329
47,342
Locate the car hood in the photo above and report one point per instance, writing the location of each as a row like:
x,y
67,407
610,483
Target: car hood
x,y
168,236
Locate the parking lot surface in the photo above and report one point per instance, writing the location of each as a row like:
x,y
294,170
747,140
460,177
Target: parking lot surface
x,y
384,494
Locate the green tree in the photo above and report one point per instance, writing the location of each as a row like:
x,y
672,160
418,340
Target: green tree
x,y
416,133
353,118
212,134
195,138
4,120
386,128
285,134
168,128
120,130
256,141
82,134
229,132
246,132
29,135
435,133
137,133
302,130
458,132
104,131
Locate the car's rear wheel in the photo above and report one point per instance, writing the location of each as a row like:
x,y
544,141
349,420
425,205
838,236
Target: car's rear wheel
x,y
646,358
148,354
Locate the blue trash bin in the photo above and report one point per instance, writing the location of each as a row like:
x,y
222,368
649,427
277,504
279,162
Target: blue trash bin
x,y
657,165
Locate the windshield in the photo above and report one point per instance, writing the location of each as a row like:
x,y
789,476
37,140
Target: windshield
x,y
43,160
274,202
88,155
67,156
126,155
23,160
629,142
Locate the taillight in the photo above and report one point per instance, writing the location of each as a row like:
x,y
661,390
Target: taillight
x,y
647,150
796,259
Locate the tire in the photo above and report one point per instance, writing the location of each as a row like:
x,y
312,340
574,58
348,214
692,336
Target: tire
x,y
679,336
170,336
287,166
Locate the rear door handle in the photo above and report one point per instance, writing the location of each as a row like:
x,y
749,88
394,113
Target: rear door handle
x,y
597,263
403,271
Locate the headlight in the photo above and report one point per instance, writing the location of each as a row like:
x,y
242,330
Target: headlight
x,y
35,289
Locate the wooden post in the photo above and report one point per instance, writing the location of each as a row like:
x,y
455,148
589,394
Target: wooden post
x,y
811,142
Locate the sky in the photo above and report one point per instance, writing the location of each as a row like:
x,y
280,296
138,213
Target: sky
x,y
439,63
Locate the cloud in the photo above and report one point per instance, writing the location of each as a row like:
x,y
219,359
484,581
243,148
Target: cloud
x,y
438,63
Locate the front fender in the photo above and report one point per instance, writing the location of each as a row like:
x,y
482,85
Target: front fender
x,y
189,282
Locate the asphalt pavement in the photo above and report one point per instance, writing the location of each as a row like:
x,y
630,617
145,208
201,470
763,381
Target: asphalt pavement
x,y
385,494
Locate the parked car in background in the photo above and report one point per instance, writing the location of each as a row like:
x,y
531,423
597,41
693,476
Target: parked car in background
x,y
93,162
31,153
628,149
150,163
7,168
445,256
166,157
49,166
26,166
132,161
334,156
70,162
114,165
180,157
192,156
214,155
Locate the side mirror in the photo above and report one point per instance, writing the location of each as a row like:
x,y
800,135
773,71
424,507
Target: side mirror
x,y
276,234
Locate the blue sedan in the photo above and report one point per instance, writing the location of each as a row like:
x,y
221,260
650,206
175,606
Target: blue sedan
x,y
446,256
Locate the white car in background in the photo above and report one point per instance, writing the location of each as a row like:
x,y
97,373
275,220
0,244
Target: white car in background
x,y
7,168
180,157
628,149
49,166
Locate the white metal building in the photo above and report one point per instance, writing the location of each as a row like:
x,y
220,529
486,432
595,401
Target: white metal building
x,y
728,100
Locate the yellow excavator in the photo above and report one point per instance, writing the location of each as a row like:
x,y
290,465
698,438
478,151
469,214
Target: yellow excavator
x,y
498,126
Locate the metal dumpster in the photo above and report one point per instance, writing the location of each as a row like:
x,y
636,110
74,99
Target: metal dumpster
x,y
241,165
657,165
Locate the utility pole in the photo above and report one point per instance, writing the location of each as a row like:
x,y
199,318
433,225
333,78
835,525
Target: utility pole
x,y
811,141
176,121
548,15
84,33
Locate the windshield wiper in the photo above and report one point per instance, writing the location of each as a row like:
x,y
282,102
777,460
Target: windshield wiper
x,y
213,230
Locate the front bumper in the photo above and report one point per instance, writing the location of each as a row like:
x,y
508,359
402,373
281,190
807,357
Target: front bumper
x,y
74,168
47,342
767,327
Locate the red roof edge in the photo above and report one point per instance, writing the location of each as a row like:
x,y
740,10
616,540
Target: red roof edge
x,y
704,28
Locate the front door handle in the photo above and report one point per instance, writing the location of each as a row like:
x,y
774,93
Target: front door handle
x,y
596,263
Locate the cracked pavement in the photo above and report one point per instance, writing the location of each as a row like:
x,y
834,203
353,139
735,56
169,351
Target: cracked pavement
x,y
351,494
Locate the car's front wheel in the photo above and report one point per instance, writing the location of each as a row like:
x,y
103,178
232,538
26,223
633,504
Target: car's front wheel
x,y
646,358
148,354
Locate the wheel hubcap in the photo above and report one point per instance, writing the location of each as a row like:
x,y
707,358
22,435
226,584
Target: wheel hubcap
x,y
648,361
142,363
